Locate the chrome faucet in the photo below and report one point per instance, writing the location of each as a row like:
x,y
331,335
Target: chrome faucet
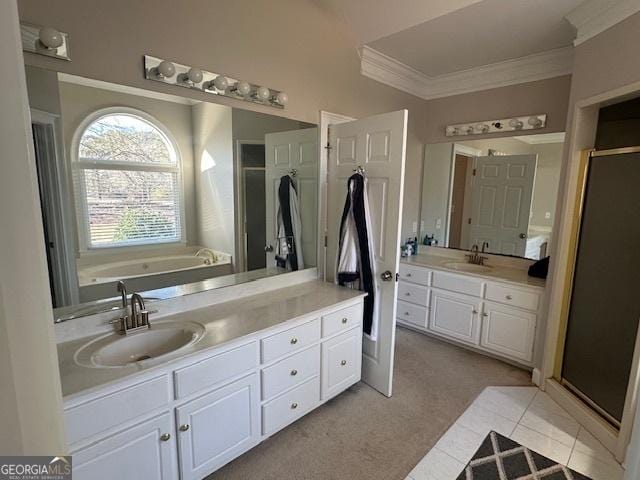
x,y
474,257
139,318
212,256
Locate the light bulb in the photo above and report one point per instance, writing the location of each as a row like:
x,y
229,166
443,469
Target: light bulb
x,y
482,127
195,75
50,38
263,93
166,69
534,122
282,98
243,88
221,83
515,123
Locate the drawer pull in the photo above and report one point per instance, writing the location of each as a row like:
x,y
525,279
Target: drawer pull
x,y
408,274
294,341
407,294
294,372
407,313
165,437
485,314
475,312
343,363
294,405
184,428
344,320
509,297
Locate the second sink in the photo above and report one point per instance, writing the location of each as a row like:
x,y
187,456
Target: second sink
x,y
468,267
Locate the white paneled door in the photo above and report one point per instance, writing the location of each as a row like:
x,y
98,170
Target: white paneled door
x,y
377,144
501,199
294,152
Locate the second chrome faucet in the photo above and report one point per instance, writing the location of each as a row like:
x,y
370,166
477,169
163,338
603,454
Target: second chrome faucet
x,y
138,320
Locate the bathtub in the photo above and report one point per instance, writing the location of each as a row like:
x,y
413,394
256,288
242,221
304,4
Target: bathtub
x,y
149,273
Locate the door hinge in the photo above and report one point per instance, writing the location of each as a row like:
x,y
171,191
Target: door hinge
x,y
326,241
328,146
474,172
397,277
469,221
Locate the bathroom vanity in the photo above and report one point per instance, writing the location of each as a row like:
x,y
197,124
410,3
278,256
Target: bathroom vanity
x,y
494,309
249,368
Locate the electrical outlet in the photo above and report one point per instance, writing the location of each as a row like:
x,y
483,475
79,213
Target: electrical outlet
x,y
438,224
415,227
547,215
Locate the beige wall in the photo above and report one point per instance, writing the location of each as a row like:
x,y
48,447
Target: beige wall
x,y
79,101
549,96
243,38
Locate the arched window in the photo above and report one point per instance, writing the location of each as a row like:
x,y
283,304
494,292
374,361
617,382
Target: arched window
x,y
127,181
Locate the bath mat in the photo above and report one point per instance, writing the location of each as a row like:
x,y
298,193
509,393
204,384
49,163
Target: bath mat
x,y
500,458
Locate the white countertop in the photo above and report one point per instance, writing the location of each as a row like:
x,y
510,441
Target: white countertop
x,y
502,273
224,323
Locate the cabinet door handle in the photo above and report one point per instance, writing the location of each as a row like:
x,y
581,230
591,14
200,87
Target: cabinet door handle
x,y
475,312
184,427
343,363
485,314
294,341
344,320
509,297
294,405
165,437
294,372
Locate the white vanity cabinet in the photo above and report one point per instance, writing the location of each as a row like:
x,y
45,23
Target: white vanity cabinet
x,y
483,313
190,417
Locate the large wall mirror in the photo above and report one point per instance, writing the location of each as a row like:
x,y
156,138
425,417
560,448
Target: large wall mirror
x,y
168,194
499,194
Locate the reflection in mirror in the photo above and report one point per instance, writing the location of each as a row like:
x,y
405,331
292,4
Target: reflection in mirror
x,y
499,194
169,194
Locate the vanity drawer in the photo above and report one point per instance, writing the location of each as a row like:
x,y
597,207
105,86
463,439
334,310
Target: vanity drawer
x,y
408,292
215,370
458,283
290,371
414,274
290,340
516,297
112,409
341,320
412,314
290,406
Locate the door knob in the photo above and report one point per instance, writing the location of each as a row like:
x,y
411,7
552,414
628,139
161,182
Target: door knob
x,y
268,248
386,276
523,235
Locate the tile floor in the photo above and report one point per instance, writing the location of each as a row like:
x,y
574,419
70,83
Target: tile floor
x,y
531,418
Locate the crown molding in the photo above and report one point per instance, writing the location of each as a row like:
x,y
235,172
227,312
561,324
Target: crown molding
x,y
595,16
390,71
542,138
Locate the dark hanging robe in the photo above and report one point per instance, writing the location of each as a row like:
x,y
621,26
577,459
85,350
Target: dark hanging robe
x,y
355,266
289,227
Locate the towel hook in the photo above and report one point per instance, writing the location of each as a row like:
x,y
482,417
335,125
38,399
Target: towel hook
x,y
359,169
293,172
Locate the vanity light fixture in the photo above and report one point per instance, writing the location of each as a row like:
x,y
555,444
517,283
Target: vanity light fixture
x,y
191,78
161,70
527,122
45,40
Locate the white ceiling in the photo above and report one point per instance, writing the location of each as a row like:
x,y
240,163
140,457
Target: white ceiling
x,y
370,20
483,33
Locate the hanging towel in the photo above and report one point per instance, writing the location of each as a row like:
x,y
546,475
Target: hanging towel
x,y
289,227
355,266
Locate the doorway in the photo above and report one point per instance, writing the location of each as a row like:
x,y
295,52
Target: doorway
x,y
252,158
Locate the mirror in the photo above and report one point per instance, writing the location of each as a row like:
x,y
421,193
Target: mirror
x,y
169,194
499,194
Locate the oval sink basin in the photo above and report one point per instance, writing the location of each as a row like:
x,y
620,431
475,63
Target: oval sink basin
x,y
468,267
115,350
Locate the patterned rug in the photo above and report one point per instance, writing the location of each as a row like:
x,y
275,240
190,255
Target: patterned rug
x,y
500,458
